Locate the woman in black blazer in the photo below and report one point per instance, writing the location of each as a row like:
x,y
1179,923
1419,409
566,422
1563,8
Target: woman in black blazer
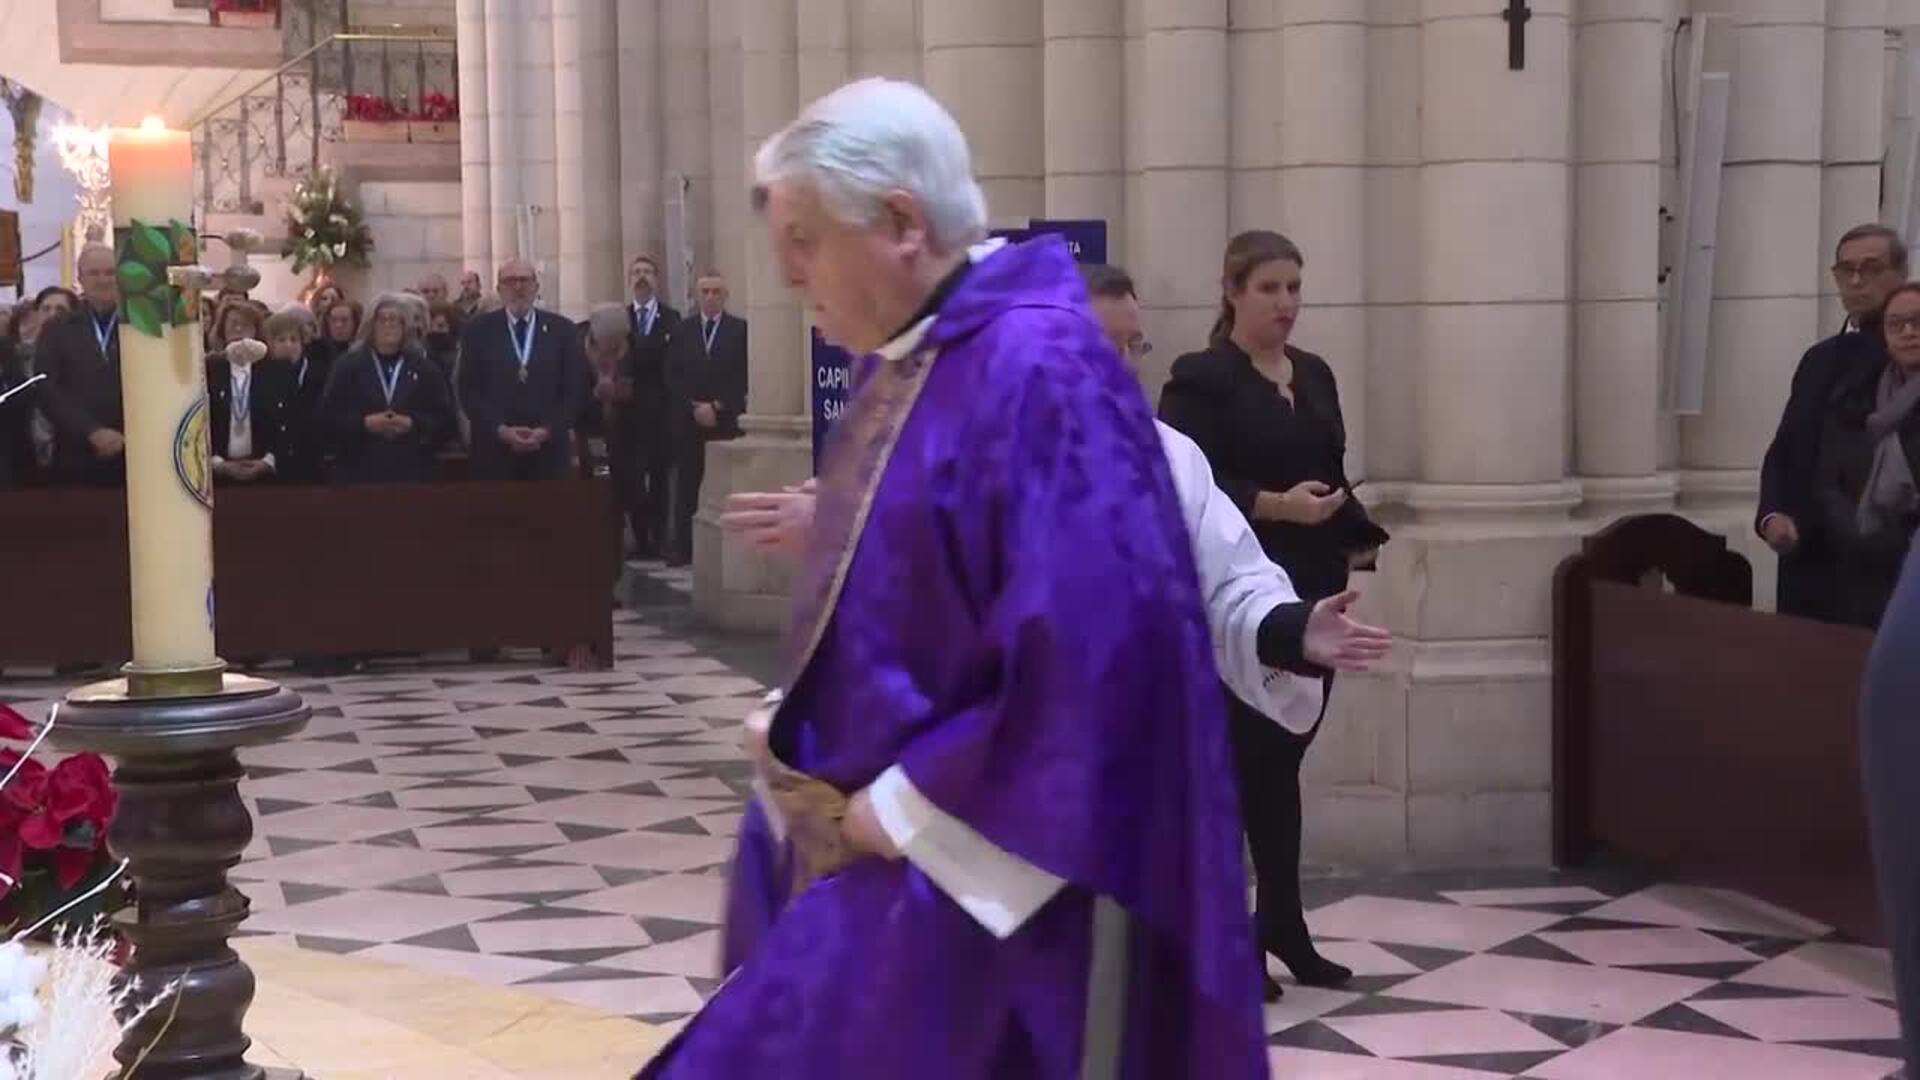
x,y
1268,417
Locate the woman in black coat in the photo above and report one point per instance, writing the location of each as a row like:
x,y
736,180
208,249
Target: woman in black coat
x,y
1869,458
1268,417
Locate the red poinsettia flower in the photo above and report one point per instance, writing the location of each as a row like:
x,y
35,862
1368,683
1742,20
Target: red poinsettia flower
x,y
13,726
82,789
43,802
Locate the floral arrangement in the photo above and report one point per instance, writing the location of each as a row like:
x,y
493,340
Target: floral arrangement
x,y
53,835
324,230
437,108
373,109
63,1010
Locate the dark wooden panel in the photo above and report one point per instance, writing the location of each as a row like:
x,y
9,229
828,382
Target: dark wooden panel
x,y
327,570
1706,739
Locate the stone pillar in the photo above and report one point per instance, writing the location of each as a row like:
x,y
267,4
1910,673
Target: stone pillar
x,y
1456,768
734,587
586,166
503,32
1620,95
640,121
534,150
686,123
1323,205
1853,135
886,38
727,27
476,222
1253,95
1765,304
1085,122
1393,248
1183,185
983,62
825,48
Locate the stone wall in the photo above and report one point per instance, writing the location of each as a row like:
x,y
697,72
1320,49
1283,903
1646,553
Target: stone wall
x,y
416,229
1484,248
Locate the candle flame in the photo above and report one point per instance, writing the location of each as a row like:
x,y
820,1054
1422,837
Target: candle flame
x,y
153,124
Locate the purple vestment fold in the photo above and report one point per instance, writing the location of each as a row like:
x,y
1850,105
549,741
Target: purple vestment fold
x,y
1001,599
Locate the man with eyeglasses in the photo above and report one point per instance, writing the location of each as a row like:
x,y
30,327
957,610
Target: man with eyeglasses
x,y
1869,263
523,380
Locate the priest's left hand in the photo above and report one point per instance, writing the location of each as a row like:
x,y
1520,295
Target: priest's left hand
x,y
1335,641
861,827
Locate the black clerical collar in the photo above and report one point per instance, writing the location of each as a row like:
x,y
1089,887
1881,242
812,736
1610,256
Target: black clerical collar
x,y
937,298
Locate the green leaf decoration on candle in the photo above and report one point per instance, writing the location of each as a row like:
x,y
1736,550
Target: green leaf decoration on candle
x,y
148,301
144,315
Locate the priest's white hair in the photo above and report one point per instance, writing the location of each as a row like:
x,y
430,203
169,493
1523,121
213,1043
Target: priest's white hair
x,y
873,137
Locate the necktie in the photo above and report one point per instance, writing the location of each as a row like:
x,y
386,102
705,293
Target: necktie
x,y
520,332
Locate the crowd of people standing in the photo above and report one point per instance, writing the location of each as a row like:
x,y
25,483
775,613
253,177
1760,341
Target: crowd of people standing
x,y
400,388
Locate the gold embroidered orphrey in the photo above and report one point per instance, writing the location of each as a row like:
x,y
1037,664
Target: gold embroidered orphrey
x,y
851,470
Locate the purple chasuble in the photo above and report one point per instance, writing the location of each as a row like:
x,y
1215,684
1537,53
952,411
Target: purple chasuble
x,y
1001,599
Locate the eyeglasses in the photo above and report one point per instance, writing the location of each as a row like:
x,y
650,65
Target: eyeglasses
x,y
1900,324
517,279
1139,348
1866,268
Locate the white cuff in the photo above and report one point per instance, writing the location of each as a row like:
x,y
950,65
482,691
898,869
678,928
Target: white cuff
x,y
1000,890
271,467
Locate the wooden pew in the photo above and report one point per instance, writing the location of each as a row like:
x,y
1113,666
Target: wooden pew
x,y
327,570
1702,738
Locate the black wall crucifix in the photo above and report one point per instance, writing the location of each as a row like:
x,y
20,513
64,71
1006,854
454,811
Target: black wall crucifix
x,y
1517,14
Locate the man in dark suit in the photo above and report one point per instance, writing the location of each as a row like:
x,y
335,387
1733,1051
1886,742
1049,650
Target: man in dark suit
x,y
306,366
1890,755
386,406
247,397
523,381
1870,262
80,355
707,387
650,329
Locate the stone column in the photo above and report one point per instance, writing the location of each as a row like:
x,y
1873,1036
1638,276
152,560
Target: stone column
x,y
1183,185
503,32
1620,95
535,149
886,38
1462,763
640,121
825,47
727,27
1393,248
476,223
983,61
1765,303
587,167
1853,134
1085,124
734,587
686,125
1253,96
1322,176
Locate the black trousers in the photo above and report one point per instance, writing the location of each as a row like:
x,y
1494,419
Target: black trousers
x,y
653,487
1266,764
689,471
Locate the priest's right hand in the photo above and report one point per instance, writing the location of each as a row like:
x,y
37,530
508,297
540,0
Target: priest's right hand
x,y
107,443
1335,641
774,522
862,830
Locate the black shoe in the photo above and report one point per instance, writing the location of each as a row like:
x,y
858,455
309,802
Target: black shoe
x,y
1274,991
1316,970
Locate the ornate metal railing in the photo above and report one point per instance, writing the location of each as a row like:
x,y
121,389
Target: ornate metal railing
x,y
276,128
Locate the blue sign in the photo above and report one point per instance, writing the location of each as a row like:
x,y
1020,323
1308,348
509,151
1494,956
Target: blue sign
x,y
832,366
832,375
1086,238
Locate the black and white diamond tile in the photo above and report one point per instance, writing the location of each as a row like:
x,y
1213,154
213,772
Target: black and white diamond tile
x,y
569,833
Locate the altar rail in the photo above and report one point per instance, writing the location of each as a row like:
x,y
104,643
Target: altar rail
x,y
329,570
1710,741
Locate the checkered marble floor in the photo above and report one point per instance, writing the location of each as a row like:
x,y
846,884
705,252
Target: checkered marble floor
x,y
569,834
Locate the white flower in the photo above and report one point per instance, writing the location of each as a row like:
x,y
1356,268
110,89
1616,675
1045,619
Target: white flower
x,y
20,970
7,1071
340,250
337,219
